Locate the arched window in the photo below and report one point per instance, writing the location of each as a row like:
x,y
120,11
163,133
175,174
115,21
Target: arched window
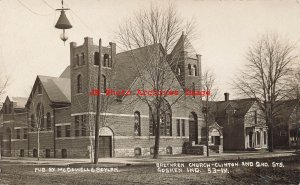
x,y
137,123
77,60
82,59
39,89
165,121
40,115
96,58
178,70
32,122
48,121
190,69
79,84
104,83
106,60
195,70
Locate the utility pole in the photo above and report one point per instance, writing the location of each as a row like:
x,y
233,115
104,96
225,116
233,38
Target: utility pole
x,y
38,140
97,120
204,111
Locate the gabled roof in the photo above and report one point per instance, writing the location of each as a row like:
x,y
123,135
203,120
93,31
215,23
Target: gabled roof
x,y
66,73
128,64
284,108
241,106
57,89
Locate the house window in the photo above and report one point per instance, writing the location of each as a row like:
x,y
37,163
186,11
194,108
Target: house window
x,y
265,137
255,117
257,137
25,133
183,127
18,133
137,152
47,153
39,89
22,153
79,84
64,153
76,60
195,70
96,58
82,59
282,133
76,125
190,69
104,83
83,125
178,126
48,121
58,131
137,123
32,122
106,60
34,153
169,150
68,130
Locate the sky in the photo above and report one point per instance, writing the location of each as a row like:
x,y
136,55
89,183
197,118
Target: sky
x,y
31,46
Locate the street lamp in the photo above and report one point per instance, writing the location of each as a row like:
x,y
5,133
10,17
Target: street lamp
x,y
63,23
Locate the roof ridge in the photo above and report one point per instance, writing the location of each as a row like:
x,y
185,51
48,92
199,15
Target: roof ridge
x,y
138,48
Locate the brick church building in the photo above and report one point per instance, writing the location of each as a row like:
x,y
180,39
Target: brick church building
x,y
64,110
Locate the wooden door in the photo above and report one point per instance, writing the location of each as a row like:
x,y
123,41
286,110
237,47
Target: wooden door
x,y
105,146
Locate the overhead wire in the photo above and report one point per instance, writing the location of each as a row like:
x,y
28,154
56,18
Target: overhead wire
x,y
48,4
32,11
81,20
73,12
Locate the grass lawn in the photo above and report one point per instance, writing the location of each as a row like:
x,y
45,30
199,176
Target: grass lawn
x,y
16,173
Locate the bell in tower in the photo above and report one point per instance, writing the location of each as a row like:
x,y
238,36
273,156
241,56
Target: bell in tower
x,y
63,23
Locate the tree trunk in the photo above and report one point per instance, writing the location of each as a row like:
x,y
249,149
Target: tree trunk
x,y
91,146
157,134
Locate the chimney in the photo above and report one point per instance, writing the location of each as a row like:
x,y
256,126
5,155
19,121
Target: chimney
x,y
226,96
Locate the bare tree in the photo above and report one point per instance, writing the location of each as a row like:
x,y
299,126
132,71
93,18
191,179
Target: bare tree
x,y
209,84
37,122
295,94
158,30
268,69
3,84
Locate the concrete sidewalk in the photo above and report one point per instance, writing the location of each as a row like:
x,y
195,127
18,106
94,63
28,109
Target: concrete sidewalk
x,y
149,160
